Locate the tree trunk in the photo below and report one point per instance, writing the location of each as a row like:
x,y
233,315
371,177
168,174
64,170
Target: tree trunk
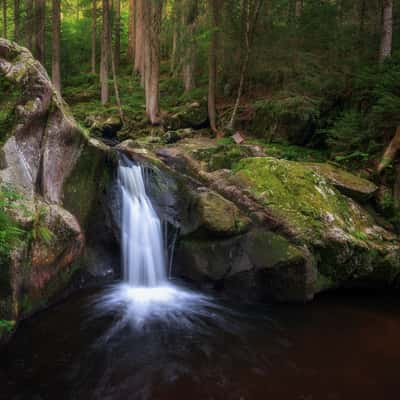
x,y
214,7
139,37
105,53
175,35
251,12
115,77
117,38
16,20
131,32
55,65
391,152
152,22
40,14
94,36
189,23
298,8
29,33
387,30
5,19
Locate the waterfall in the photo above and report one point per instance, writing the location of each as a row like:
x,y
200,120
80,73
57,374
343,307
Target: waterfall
x,y
146,296
142,244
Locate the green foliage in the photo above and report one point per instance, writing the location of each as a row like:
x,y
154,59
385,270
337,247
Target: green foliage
x,y
6,327
10,232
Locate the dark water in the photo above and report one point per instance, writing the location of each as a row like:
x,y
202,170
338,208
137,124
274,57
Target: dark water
x,y
339,347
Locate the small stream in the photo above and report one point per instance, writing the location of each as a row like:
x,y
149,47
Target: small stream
x,y
341,346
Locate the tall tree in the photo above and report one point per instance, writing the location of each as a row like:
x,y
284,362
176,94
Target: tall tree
x,y
16,20
131,31
189,22
387,30
94,36
214,7
139,36
5,19
117,37
29,32
176,9
40,14
251,10
298,9
105,52
152,10
55,61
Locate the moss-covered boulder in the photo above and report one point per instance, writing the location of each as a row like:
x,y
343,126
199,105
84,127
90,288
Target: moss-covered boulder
x,y
346,239
219,216
347,183
193,115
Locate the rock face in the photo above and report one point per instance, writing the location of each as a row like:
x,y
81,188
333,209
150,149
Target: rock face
x,y
308,233
41,149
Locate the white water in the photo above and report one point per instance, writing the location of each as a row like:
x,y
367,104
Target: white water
x,y
143,256
146,295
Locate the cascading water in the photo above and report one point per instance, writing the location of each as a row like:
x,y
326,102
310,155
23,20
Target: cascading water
x,y
143,255
146,295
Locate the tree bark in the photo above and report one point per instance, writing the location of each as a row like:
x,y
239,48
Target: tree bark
x,y
115,77
387,30
105,53
131,32
29,24
139,37
16,20
214,7
56,59
40,14
175,35
94,36
251,12
298,8
152,22
189,22
391,152
117,38
5,19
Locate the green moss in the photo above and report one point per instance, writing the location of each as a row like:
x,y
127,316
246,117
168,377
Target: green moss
x,y
224,156
10,95
6,327
295,192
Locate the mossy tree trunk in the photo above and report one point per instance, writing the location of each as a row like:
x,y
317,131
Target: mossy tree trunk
x,y
117,33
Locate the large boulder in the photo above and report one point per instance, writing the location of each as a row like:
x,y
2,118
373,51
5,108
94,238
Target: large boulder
x,y
42,147
342,242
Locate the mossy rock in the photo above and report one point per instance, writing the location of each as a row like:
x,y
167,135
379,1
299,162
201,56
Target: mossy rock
x,y
223,156
347,183
258,264
219,216
344,236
